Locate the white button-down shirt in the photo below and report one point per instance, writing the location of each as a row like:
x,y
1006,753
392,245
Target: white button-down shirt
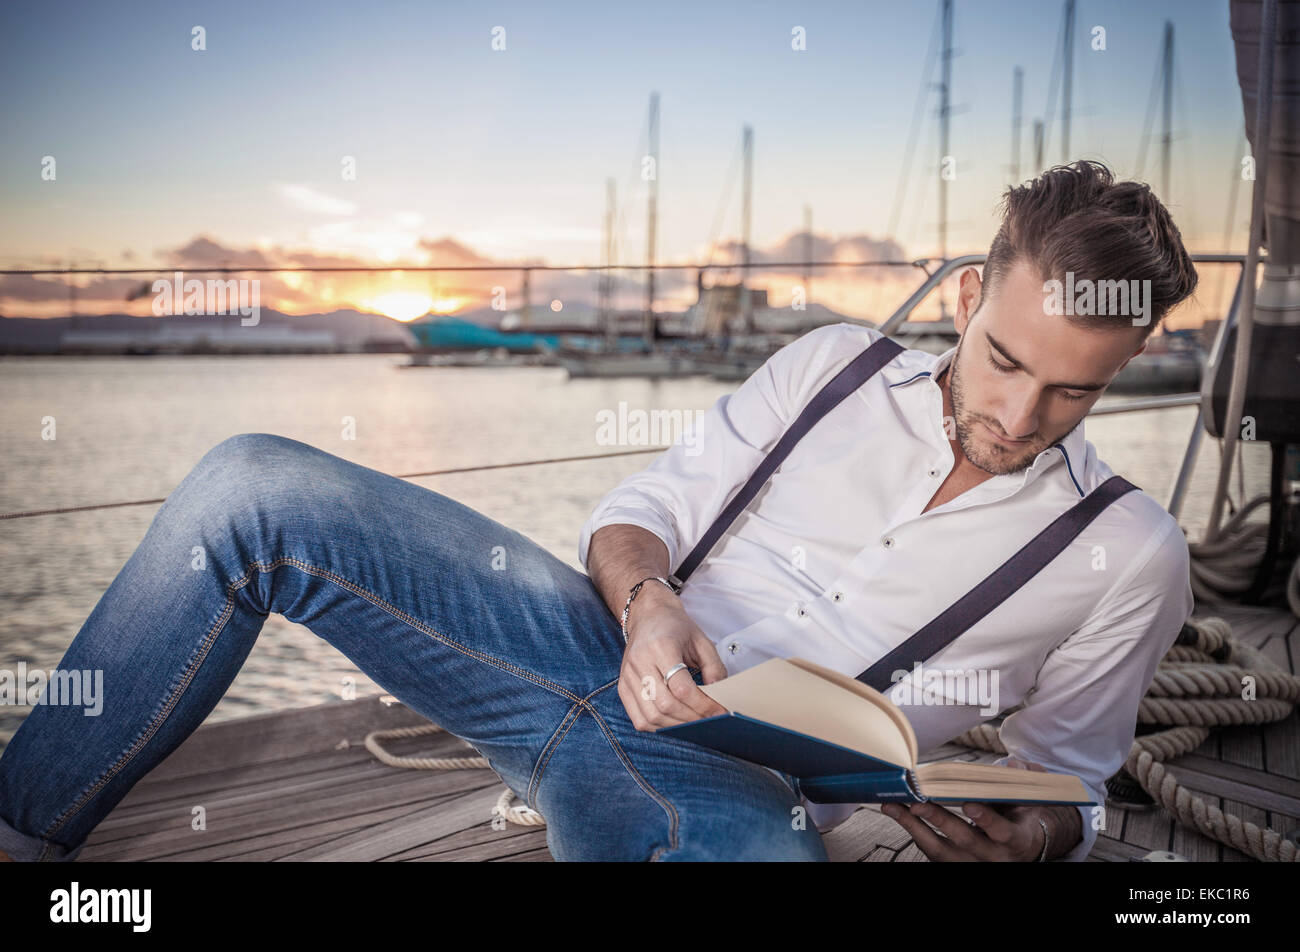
x,y
835,562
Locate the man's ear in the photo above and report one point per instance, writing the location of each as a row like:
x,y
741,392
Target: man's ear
x,y
968,299
1135,353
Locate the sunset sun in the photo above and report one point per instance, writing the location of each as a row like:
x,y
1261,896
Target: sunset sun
x,y
401,305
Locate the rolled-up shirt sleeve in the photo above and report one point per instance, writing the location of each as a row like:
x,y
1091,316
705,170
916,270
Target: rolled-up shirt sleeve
x,y
682,491
1081,717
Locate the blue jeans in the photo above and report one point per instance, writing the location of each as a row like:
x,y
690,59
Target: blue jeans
x,y
463,620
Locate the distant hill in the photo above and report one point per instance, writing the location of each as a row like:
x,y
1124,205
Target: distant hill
x,y
354,330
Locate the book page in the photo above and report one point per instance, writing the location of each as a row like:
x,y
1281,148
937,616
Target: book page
x,y
797,699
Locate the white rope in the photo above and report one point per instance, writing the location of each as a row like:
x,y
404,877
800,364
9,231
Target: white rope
x,y
519,814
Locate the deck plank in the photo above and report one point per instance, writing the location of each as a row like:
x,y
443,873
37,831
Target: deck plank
x,y
273,820
863,832
270,737
392,837
481,837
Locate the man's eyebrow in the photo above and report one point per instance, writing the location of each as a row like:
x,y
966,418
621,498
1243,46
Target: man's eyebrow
x,y
1064,386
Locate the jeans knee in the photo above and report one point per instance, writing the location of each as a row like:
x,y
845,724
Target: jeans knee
x,y
243,475
247,454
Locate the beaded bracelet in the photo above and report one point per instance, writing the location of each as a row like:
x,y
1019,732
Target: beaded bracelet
x,y
633,593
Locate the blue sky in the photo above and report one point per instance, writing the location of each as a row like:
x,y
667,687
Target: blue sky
x,y
507,152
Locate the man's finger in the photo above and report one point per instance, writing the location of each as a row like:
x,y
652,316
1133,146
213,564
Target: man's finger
x,y
640,691
659,705
997,827
927,841
683,687
707,659
957,831
681,695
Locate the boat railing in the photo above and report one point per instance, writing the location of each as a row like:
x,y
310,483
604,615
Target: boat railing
x,y
942,270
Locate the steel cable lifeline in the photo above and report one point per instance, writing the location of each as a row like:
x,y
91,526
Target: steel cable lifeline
x,y
27,514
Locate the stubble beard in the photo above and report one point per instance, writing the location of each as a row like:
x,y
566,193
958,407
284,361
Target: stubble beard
x,y
983,451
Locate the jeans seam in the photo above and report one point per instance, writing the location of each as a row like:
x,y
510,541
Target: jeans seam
x,y
169,702
553,744
644,784
539,766
544,757
219,625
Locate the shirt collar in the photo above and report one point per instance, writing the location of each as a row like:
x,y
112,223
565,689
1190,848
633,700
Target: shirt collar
x,y
1070,450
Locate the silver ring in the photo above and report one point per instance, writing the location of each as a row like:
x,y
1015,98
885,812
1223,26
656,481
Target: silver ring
x,y
680,665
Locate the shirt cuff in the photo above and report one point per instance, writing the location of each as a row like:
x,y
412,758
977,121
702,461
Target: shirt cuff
x,y
645,519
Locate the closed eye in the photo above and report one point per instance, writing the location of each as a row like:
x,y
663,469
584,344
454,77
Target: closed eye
x,y
997,366
1003,368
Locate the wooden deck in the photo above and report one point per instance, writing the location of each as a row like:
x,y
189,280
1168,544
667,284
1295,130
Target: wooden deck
x,y
300,785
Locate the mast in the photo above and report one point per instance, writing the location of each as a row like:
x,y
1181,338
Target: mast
x,y
807,254
607,319
1166,138
747,303
649,332
1038,146
945,109
1067,59
1017,97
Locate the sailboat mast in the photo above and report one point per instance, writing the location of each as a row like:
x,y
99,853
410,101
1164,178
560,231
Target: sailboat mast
x,y
607,276
807,254
1067,84
945,106
1166,138
747,304
945,109
649,332
1017,98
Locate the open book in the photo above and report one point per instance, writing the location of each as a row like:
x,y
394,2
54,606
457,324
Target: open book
x,y
848,743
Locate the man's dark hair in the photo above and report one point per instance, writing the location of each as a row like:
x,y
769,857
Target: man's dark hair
x,y
1077,218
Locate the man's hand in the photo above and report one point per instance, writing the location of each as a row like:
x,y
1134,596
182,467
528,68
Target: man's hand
x,y
996,833
661,634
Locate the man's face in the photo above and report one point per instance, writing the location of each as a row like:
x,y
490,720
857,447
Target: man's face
x,y
1022,378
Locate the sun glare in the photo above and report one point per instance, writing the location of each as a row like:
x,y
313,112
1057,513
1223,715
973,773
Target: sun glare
x,y
401,305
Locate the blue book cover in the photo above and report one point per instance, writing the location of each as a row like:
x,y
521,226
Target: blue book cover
x,y
832,773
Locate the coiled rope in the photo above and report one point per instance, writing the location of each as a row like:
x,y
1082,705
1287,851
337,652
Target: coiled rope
x,y
1198,685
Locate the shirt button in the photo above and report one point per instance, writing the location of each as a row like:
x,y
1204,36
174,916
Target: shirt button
x,y
837,596
887,542
800,610
934,472
734,647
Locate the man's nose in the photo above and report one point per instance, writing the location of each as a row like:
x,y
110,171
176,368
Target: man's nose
x,y
1019,416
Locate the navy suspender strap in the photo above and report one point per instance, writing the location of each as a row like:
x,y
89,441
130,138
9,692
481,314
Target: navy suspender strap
x,y
998,586
858,371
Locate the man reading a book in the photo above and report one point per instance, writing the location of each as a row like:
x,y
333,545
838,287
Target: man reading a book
x,y
909,493
899,500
